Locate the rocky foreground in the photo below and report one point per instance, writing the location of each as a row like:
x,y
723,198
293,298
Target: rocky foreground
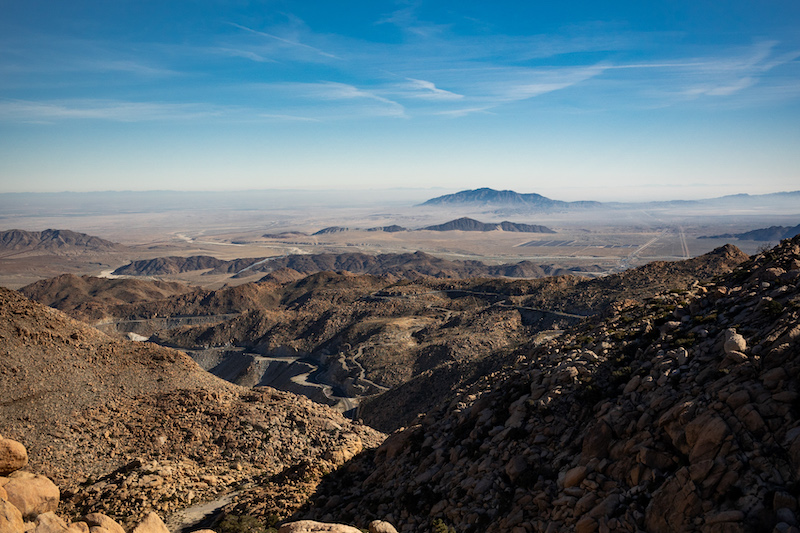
x,y
678,414
28,503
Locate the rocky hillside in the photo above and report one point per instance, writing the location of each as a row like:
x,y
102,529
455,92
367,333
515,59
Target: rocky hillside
x,y
679,413
146,425
53,241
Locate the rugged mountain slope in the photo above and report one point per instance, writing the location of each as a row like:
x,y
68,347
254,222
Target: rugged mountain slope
x,y
145,423
470,224
363,332
89,298
53,241
680,413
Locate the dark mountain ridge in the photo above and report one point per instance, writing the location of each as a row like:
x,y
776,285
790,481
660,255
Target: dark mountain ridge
x,y
53,240
406,265
168,265
770,234
469,224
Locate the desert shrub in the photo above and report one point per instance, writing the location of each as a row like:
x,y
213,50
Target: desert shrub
x,y
438,526
773,308
244,524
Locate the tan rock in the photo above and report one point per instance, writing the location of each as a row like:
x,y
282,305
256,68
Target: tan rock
x,y
351,446
3,494
152,523
10,518
733,342
575,476
204,531
103,521
13,456
49,522
32,494
381,526
310,526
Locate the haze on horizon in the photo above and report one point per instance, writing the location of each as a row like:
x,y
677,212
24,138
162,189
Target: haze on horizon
x,y
635,101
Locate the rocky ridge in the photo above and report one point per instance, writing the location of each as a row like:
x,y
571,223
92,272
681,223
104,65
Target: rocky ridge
x,y
168,265
397,266
679,413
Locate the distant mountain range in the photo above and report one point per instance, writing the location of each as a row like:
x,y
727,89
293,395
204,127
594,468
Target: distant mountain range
x,y
459,224
772,233
489,197
516,202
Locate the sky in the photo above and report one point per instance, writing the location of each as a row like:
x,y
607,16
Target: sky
x,y
574,100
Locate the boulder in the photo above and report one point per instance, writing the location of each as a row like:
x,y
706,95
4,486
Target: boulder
x,y
103,521
381,526
574,476
13,456
151,524
10,518
32,494
49,522
733,342
310,526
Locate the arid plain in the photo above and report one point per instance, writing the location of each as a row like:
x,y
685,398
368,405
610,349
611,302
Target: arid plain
x,y
595,241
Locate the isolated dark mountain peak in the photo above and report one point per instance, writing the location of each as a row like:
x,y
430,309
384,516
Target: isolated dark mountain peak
x,y
486,197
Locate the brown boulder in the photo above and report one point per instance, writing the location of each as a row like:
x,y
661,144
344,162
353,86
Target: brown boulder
x,y
49,522
310,526
10,518
152,523
32,494
13,456
103,521
381,526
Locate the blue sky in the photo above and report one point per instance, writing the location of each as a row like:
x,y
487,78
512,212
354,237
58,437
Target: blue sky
x,y
575,100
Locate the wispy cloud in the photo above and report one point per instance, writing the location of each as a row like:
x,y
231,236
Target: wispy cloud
x,y
246,54
289,42
429,90
362,102
53,111
462,112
